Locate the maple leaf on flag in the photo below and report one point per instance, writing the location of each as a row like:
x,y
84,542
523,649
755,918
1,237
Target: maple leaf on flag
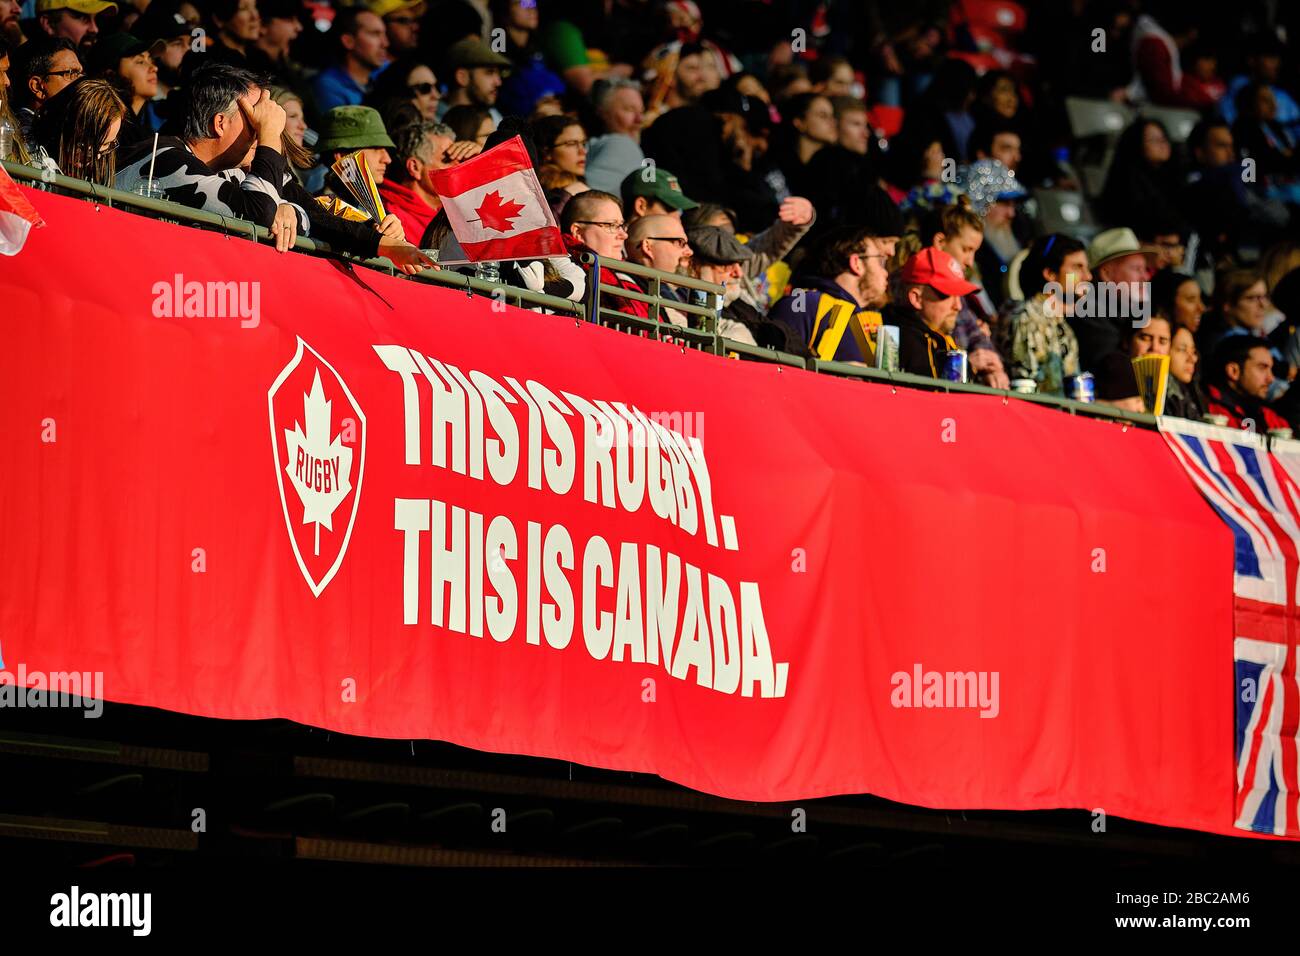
x,y
319,467
496,214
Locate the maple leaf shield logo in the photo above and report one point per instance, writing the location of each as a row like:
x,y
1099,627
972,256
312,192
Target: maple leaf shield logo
x,y
318,434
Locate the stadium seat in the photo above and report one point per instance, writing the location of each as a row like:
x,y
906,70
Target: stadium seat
x,y
1178,123
1096,117
1096,126
1066,211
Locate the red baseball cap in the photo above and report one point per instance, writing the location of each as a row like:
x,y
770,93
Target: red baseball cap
x,y
937,269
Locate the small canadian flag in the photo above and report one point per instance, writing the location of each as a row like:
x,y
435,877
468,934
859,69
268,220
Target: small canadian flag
x,y
496,206
17,216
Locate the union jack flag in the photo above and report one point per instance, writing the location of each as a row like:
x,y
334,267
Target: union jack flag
x,y
1257,494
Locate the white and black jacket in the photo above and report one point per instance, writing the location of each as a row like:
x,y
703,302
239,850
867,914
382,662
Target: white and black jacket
x,y
252,195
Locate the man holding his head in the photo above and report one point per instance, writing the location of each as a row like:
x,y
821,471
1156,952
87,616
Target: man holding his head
x,y
229,160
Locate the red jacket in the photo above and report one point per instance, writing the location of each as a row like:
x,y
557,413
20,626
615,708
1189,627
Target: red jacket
x,y
406,204
1239,408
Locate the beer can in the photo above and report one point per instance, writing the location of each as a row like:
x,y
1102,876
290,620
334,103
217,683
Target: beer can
x,y
955,366
1083,389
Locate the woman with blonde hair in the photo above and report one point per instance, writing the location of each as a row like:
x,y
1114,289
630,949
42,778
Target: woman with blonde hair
x,y
293,139
13,147
958,230
78,127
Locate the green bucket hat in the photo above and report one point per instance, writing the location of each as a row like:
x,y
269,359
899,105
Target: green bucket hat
x,y
352,127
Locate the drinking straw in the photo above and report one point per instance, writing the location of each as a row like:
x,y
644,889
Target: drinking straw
x,y
151,161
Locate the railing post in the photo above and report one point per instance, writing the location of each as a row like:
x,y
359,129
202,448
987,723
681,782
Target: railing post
x,y
593,289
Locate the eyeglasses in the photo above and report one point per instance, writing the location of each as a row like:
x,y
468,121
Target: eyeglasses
x,y
1257,297
74,73
613,228
422,89
677,241
579,143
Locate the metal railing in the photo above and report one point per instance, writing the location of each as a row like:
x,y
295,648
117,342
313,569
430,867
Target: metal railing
x,y
596,306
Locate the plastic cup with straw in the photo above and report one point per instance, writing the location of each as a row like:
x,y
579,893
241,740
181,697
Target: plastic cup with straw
x,y
146,188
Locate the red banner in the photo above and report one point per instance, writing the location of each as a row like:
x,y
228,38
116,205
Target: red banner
x,y
247,485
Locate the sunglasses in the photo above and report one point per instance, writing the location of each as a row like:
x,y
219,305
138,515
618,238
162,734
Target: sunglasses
x,y
422,89
70,73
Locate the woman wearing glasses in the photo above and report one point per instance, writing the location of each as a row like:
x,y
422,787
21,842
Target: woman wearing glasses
x,y
562,146
79,128
1241,301
407,79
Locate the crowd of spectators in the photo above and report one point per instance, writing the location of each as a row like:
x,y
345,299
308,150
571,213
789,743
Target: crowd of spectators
x,y
837,166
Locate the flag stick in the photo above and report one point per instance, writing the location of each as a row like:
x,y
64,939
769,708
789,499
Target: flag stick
x,y
151,161
471,262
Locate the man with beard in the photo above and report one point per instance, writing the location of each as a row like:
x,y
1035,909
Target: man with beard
x,y
718,257
659,241
73,20
927,299
833,301
10,27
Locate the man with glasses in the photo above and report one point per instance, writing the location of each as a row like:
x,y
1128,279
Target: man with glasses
x,y
834,299
72,19
660,242
718,257
41,67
